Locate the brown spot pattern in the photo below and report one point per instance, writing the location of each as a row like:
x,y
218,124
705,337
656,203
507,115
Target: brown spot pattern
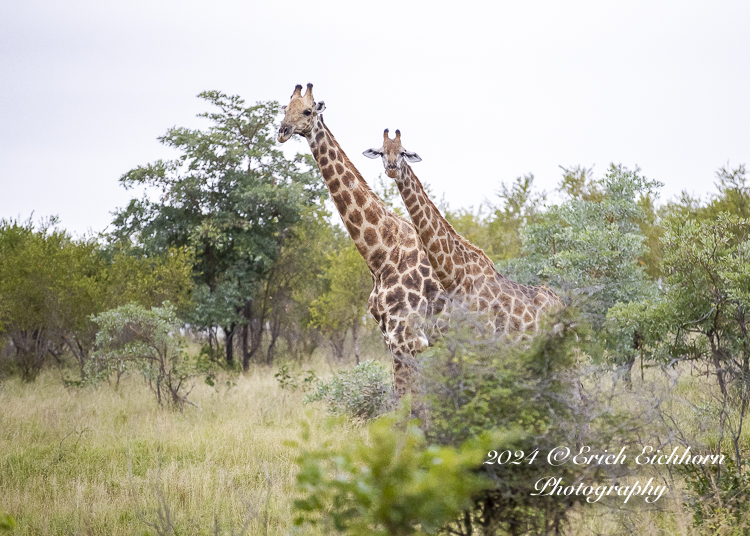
x,y
359,197
371,215
371,237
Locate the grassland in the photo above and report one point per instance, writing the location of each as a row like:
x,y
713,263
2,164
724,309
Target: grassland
x,y
106,461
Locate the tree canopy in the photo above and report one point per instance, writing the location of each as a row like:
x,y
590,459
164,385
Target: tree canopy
x,y
231,199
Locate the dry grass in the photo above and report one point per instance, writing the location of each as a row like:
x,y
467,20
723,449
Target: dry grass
x,y
100,461
105,461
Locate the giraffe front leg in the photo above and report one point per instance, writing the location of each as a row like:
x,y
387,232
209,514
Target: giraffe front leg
x,y
404,373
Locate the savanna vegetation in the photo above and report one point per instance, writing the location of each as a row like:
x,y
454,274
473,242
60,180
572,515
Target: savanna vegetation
x,y
208,366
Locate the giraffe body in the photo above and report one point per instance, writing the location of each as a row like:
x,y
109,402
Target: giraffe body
x,y
405,290
468,275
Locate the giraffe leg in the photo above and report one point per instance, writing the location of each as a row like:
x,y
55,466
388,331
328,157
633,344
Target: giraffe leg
x,y
405,380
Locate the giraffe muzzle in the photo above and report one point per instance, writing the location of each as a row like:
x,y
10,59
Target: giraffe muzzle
x,y
285,132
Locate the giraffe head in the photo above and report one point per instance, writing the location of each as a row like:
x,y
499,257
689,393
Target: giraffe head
x,y
299,114
393,154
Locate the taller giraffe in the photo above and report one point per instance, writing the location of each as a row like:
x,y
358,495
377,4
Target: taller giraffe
x,y
464,270
405,288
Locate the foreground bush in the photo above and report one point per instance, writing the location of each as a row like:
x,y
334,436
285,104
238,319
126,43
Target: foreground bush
x,y
392,485
528,393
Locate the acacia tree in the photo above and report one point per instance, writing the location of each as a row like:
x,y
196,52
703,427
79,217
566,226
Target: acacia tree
x,y
703,316
592,245
230,199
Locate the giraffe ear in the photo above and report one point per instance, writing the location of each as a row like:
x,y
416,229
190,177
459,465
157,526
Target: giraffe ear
x,y
411,156
320,107
373,153
282,109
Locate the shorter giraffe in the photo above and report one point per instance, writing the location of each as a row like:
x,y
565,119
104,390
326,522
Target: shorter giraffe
x,y
465,271
405,289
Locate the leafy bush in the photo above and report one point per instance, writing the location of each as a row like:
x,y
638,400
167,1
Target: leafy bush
x,y
720,495
527,393
363,392
703,316
395,484
148,341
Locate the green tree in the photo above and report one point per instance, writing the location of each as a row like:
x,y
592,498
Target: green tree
x,y
51,284
44,283
592,244
732,197
498,232
295,281
230,200
578,183
343,302
703,316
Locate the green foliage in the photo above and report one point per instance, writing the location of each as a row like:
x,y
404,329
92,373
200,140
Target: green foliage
x,y
363,392
578,184
394,484
347,284
145,340
48,286
230,199
149,280
651,227
499,232
294,380
51,284
703,312
719,495
297,280
591,243
703,315
528,393
474,384
7,522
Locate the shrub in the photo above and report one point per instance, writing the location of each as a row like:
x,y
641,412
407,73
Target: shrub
x,y
145,340
529,393
363,392
395,484
719,495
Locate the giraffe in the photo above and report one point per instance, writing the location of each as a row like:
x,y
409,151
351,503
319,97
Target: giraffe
x,y
465,271
405,289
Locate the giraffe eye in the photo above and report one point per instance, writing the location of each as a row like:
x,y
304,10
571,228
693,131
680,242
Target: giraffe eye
x,y
307,113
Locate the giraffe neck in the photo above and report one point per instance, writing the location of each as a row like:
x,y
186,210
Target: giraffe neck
x,y
448,251
365,216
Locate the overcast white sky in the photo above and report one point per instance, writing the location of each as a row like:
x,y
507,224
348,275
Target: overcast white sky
x,y
483,91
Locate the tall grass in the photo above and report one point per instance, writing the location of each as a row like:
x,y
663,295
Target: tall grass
x,y
109,461
105,461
